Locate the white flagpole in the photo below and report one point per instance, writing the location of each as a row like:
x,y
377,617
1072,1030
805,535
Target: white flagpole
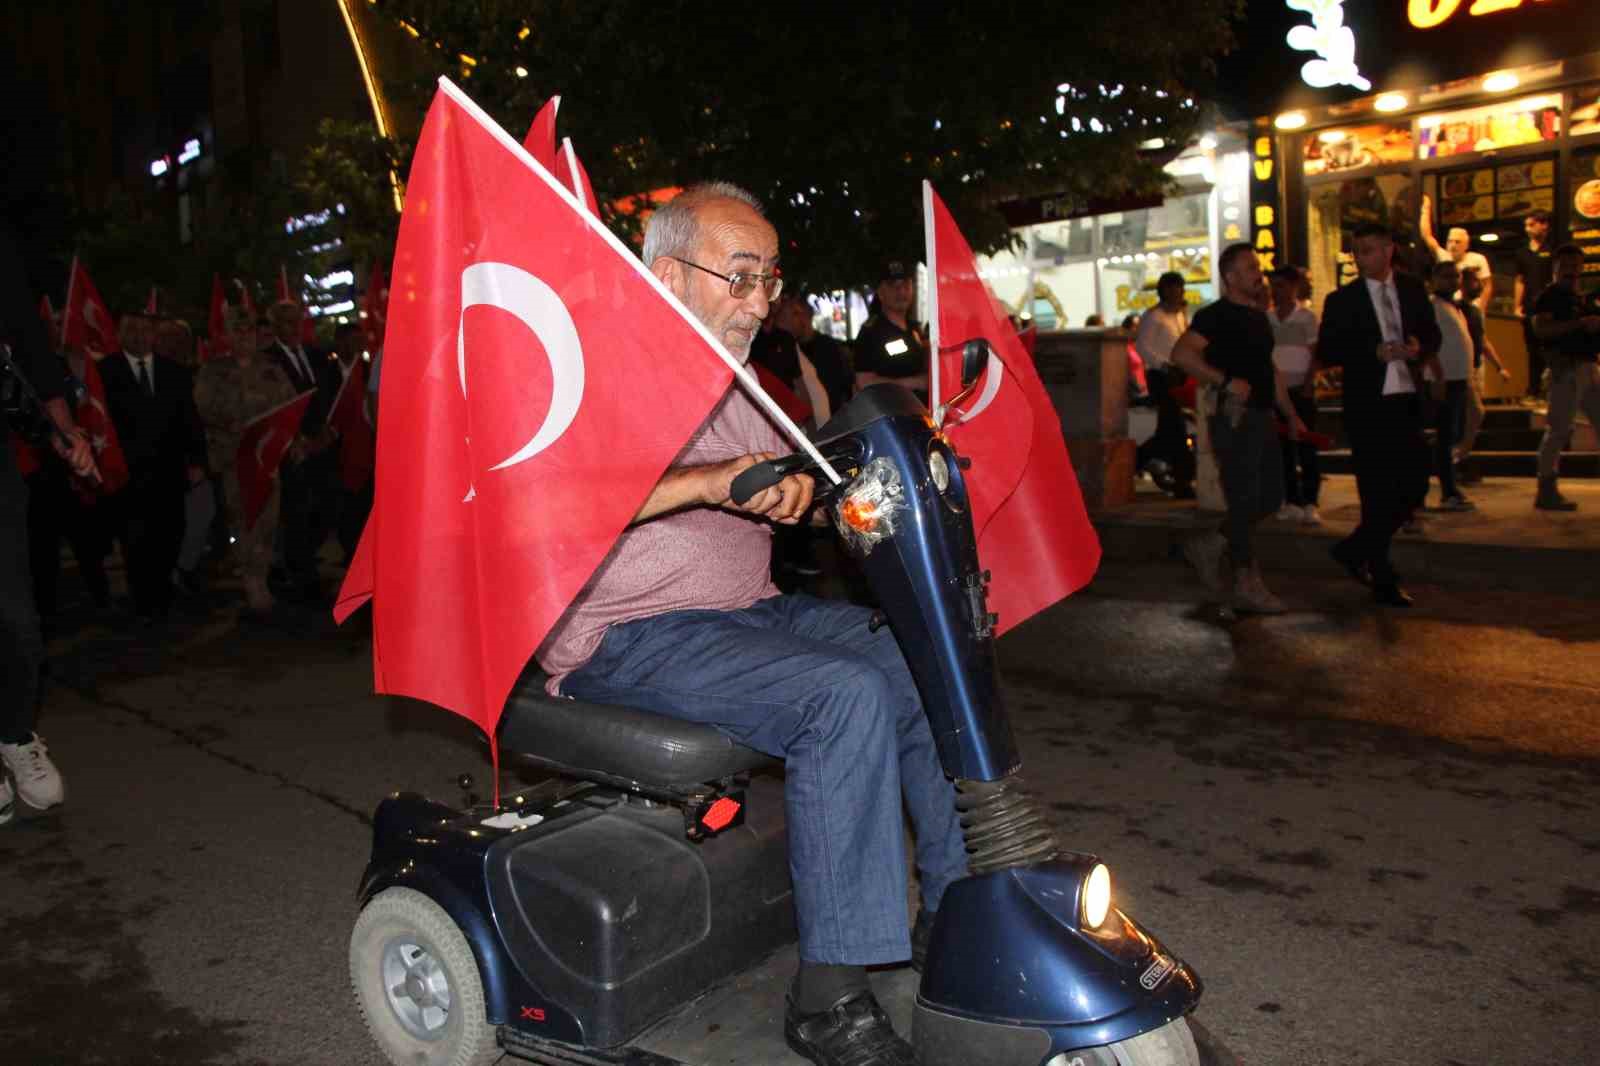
x,y
572,168
933,302
741,373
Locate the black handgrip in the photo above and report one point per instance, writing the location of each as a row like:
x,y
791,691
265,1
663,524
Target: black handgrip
x,y
762,476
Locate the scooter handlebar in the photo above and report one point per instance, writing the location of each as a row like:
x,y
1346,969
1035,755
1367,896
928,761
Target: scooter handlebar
x,y
762,476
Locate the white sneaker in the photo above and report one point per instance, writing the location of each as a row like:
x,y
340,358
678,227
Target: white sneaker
x,y
1309,515
38,780
8,806
1290,512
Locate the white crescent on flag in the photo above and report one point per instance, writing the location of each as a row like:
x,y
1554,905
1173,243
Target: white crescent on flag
x,y
537,306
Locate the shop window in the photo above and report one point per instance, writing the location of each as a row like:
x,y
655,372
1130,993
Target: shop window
x,y
1530,120
1354,147
1336,208
1490,203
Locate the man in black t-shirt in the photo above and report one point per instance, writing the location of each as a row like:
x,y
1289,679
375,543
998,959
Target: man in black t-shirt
x,y
1567,322
891,345
1228,347
1534,270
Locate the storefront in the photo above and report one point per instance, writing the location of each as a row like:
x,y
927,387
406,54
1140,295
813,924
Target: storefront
x,y
1102,259
1477,115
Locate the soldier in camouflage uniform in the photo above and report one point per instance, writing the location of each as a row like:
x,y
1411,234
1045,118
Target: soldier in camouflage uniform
x,y
230,392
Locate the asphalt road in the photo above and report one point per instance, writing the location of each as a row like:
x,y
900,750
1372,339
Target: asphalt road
x,y
1374,835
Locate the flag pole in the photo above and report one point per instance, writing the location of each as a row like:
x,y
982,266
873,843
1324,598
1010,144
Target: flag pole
x,y
741,372
933,302
66,308
572,168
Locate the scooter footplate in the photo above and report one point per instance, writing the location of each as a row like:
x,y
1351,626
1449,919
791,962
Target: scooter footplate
x,y
554,1053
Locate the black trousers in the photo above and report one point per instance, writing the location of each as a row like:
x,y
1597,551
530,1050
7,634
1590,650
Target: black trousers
x,y
149,526
308,511
1171,439
1391,462
1302,469
55,514
21,644
354,507
1536,363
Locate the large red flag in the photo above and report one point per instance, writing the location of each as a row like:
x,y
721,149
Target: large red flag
x,y
357,447
217,320
94,418
538,382
86,322
541,139
1033,532
262,446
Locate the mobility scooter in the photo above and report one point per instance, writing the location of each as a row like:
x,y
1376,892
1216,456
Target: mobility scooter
x,y
635,909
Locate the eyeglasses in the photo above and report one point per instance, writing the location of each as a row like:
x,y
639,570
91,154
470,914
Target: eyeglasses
x,y
741,284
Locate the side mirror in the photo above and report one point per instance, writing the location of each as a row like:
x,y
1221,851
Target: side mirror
x,y
974,357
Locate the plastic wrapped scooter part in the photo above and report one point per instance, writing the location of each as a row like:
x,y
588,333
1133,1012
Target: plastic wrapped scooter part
x,y
870,510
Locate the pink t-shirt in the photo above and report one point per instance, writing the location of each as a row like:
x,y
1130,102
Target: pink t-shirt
x,y
703,558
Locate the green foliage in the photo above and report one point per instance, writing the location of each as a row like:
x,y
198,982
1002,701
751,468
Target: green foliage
x,y
833,114
350,164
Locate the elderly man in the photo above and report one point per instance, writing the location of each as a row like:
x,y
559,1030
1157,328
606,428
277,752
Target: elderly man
x,y
682,619
1457,249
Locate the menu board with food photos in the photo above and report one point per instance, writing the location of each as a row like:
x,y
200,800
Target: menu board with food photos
x,y
1510,190
1354,147
1585,223
1482,129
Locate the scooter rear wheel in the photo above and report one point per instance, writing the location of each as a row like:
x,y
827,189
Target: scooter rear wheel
x,y
417,983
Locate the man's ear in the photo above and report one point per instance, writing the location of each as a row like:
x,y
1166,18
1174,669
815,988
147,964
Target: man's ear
x,y
669,273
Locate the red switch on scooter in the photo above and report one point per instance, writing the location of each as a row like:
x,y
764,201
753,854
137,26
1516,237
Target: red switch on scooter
x,y
720,814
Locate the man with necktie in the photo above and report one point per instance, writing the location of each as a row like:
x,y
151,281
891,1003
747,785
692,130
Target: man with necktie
x,y
151,401
310,469
1381,330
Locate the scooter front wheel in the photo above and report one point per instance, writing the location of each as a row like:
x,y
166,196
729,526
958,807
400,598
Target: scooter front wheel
x,y
1170,1045
417,983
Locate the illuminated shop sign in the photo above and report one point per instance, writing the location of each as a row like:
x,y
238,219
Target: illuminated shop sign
x,y
1266,233
1331,41
1426,14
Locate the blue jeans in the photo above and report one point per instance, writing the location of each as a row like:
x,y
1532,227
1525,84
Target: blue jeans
x,y
806,680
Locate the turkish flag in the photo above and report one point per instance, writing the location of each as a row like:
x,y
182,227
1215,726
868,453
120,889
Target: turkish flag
x,y
374,305
25,455
1034,535
539,382
217,320
541,139
357,445
86,321
94,418
261,449
574,177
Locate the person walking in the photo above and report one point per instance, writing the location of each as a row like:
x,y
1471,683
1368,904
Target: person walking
x,y
1567,323
1159,329
1381,330
1228,347
229,393
1534,271
1294,335
1483,350
1455,363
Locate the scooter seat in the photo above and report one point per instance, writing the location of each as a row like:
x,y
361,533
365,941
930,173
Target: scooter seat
x,y
618,745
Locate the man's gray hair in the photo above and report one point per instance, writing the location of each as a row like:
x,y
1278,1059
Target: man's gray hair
x,y
673,231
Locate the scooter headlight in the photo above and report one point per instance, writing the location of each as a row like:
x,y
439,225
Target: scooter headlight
x,y
1096,896
938,469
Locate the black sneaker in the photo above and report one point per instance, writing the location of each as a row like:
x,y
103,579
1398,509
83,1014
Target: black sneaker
x,y
853,1032
921,933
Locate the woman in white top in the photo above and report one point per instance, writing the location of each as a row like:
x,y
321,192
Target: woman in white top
x,y
1294,332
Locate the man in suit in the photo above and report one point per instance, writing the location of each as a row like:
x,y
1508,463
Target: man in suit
x,y
1381,329
310,470
151,400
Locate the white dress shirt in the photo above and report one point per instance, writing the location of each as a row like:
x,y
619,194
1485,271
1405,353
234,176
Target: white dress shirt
x,y
1159,330
1386,302
143,367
